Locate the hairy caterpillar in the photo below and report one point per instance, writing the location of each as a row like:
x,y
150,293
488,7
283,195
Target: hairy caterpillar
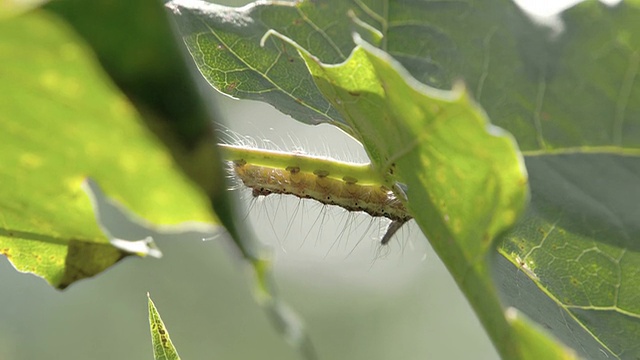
x,y
353,187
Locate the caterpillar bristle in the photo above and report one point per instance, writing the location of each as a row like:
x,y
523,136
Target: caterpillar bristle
x,y
320,185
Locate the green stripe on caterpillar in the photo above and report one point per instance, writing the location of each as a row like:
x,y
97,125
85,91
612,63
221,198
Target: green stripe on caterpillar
x,y
354,187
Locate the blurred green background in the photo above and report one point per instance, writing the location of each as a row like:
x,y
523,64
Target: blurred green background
x,y
358,300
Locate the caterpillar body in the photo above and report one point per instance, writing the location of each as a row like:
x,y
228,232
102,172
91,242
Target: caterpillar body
x,y
330,182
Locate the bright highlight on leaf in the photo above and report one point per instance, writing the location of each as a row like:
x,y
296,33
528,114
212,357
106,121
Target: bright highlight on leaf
x,y
163,348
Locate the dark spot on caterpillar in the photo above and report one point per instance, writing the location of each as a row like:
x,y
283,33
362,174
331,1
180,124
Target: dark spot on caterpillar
x,y
240,162
321,173
392,168
293,169
260,192
353,93
350,180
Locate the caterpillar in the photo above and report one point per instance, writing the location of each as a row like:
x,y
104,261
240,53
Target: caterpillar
x,y
353,187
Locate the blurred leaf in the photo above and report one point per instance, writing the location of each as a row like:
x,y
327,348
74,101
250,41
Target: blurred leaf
x,y
148,67
62,121
9,8
151,70
163,348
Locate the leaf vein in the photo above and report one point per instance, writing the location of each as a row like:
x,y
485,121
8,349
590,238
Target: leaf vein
x,y
264,76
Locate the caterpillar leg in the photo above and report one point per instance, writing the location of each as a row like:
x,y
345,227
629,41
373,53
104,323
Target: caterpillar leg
x,y
393,227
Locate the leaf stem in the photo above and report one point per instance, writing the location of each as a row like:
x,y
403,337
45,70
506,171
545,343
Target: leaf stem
x,y
365,174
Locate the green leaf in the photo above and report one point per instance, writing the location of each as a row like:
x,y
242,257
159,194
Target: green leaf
x,y
163,348
576,97
491,45
566,89
150,69
62,122
442,148
178,116
535,340
225,44
579,243
9,8
149,60
572,101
